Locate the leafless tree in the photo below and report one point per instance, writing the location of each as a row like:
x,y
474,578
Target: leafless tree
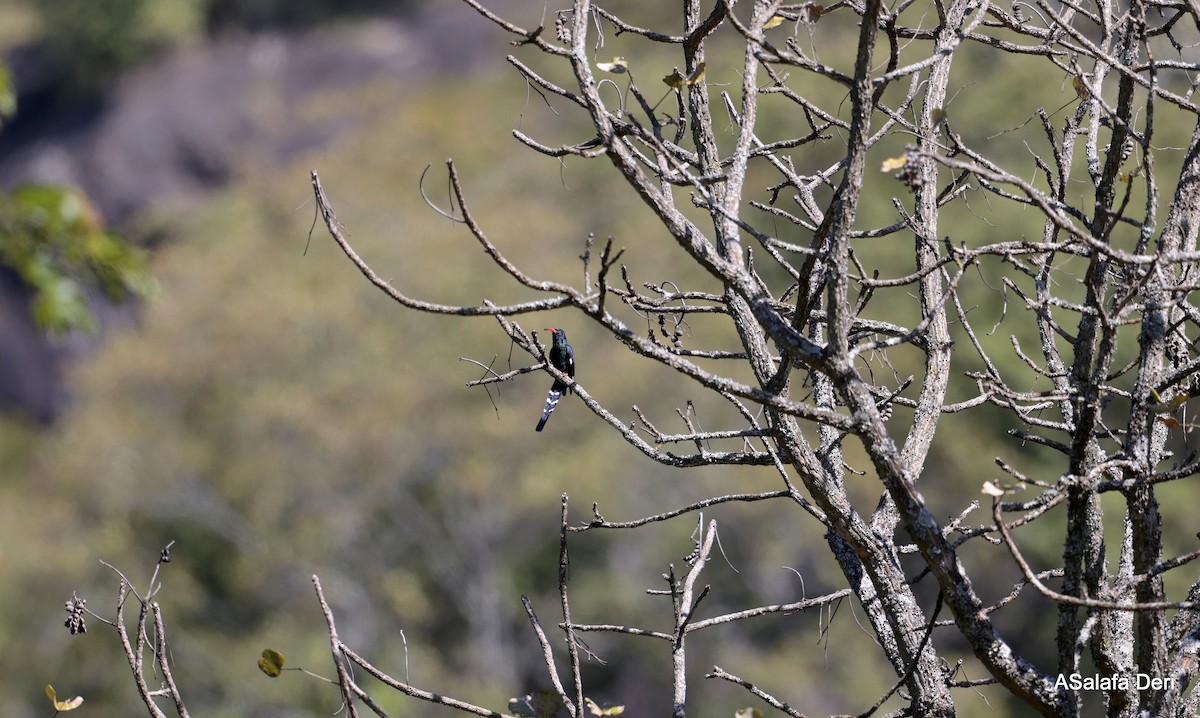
x,y
1105,289
1099,295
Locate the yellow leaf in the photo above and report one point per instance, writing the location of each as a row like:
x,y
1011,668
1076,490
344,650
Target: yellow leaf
x,y
696,74
1167,407
70,705
271,662
618,66
893,163
1170,421
60,706
775,21
596,710
675,79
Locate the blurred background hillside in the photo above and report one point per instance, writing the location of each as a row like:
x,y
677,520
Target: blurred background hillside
x,y
276,417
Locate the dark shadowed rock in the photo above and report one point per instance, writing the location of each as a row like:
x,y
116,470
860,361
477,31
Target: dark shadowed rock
x,y
191,122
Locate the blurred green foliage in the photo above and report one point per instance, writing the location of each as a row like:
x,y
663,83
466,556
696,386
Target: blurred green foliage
x,y
8,95
56,243
277,417
94,41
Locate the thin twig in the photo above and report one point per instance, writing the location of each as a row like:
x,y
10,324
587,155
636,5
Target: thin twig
x,y
547,655
564,571
1076,600
344,679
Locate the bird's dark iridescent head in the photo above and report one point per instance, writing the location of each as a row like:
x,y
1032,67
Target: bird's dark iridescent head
x,y
559,335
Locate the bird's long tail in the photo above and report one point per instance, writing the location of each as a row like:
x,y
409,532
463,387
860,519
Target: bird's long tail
x,y
551,402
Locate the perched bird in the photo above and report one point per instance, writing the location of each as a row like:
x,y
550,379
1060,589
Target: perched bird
x,y
562,358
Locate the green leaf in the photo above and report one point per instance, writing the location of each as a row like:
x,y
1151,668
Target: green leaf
x,y
55,240
8,94
58,305
271,662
